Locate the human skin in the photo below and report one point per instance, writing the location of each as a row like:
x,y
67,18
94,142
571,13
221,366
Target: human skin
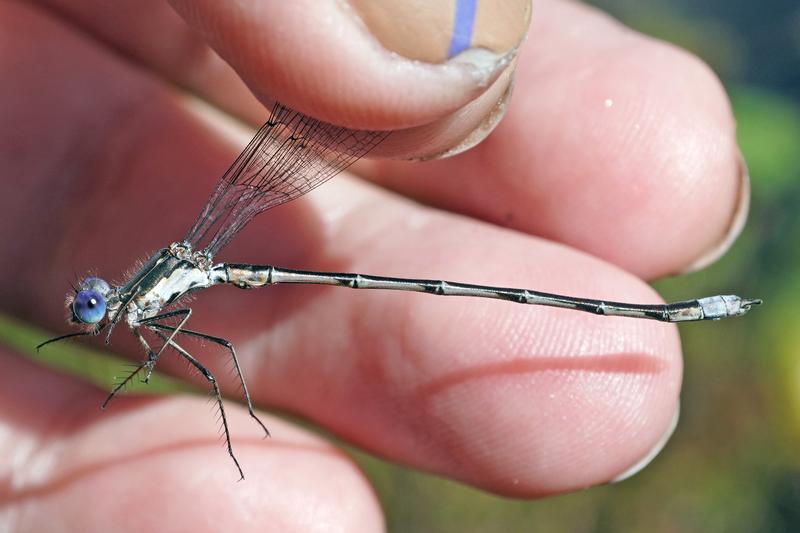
x,y
520,401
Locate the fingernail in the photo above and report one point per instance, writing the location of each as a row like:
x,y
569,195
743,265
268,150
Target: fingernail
x,y
458,131
483,129
735,226
481,34
653,453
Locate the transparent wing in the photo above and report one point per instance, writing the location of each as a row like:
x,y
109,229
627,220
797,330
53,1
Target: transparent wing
x,y
290,155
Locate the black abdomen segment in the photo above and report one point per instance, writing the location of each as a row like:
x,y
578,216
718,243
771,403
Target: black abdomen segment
x,y
715,307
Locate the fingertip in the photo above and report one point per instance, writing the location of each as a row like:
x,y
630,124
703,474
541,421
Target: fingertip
x,y
295,483
557,424
656,449
323,59
455,133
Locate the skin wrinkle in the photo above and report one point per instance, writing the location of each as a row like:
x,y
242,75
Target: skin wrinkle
x,y
11,496
625,363
68,444
447,444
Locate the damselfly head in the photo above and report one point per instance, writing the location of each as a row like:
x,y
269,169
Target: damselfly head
x,y
88,304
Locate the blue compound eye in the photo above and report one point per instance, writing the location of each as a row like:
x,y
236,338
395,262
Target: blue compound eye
x,y
89,306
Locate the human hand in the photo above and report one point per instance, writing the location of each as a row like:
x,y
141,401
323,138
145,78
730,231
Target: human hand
x,y
616,159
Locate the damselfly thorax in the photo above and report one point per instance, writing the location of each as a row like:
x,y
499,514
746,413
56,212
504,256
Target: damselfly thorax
x,y
164,278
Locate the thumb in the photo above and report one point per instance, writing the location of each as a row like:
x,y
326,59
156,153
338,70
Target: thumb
x,y
437,69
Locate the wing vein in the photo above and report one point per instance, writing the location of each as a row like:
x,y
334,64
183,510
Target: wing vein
x,y
290,155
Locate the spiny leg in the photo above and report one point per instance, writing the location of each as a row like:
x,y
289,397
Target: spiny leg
x,y
122,384
152,357
186,312
229,346
215,388
148,365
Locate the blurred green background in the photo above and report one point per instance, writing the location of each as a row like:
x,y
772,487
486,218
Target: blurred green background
x,y
734,462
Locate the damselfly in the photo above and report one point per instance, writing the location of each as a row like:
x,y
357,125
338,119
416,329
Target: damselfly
x,y
290,155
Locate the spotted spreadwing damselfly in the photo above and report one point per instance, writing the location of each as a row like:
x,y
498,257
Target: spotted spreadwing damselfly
x,y
290,155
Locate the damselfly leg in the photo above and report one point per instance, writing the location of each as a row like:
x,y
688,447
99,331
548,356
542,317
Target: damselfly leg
x,y
214,390
228,346
147,365
184,313
152,357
